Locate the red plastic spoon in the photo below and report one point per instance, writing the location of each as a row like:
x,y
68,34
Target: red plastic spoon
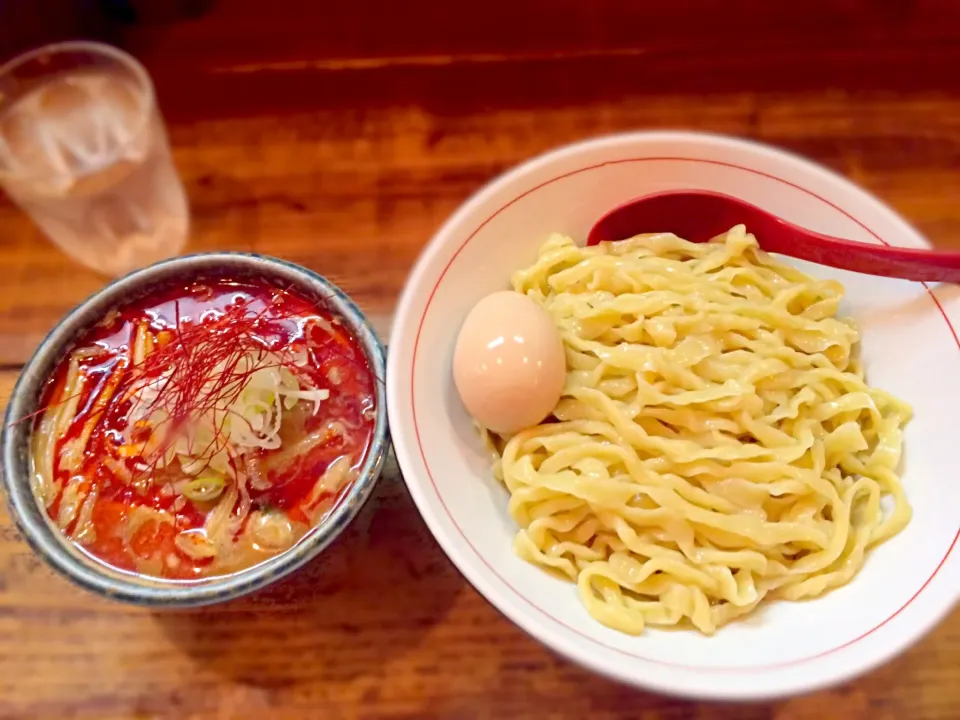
x,y
698,215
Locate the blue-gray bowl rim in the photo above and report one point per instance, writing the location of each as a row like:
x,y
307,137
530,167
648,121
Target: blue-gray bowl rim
x,y
57,551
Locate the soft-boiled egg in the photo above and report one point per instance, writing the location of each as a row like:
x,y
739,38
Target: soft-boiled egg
x,y
509,365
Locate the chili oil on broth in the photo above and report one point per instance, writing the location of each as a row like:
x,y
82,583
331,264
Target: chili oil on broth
x,y
202,429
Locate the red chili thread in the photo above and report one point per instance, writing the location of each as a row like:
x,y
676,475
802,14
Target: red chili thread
x,y
199,370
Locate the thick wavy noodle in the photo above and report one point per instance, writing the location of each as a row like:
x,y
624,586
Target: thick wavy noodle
x,y
716,444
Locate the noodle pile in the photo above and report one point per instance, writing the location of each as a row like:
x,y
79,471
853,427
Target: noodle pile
x,y
716,443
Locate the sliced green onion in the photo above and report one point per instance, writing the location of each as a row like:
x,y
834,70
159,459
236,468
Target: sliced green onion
x,y
204,488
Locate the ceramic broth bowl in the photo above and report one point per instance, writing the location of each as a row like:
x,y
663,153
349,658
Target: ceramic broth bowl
x,y
49,542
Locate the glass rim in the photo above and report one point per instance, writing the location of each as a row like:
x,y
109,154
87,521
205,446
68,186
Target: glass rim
x,y
147,104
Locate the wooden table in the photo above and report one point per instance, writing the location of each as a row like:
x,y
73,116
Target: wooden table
x,y
339,136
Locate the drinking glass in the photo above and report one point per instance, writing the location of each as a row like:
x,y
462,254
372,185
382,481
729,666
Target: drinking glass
x,y
83,150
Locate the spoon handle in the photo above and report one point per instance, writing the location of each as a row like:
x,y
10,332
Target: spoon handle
x,y
699,215
904,263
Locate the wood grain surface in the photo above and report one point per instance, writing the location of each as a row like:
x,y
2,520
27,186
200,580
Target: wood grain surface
x,y
339,136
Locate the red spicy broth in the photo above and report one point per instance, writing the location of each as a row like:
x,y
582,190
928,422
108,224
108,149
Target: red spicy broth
x,y
203,429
